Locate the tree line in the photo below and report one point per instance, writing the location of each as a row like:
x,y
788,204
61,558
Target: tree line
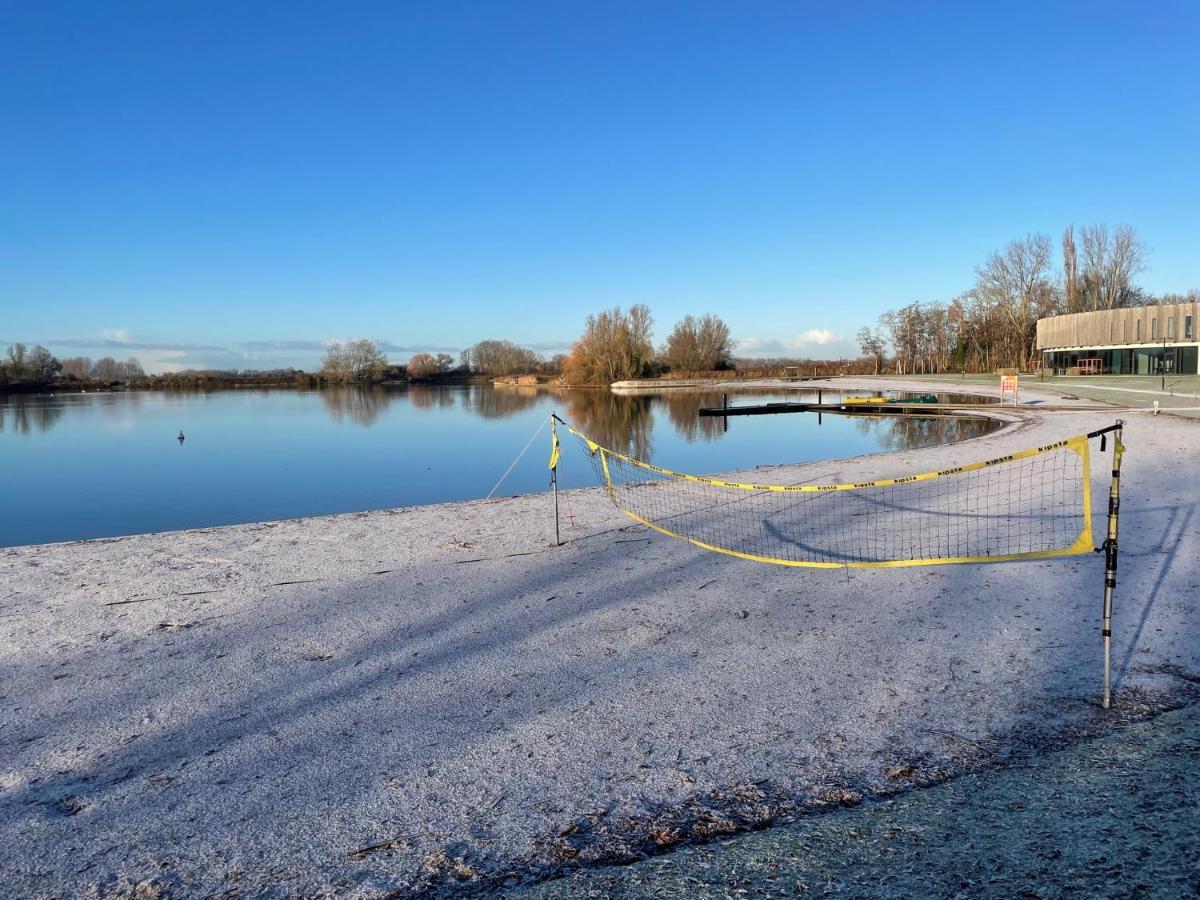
x,y
616,346
104,369
23,368
362,361
993,324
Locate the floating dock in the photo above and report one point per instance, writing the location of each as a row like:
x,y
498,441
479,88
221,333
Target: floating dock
x,y
892,407
901,407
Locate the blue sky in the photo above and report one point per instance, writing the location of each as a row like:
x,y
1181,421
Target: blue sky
x,y
234,184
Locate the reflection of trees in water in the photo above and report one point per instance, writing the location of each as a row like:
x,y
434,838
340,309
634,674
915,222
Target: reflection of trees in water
x,y
621,423
430,396
910,432
22,414
501,401
360,404
683,409
118,403
123,408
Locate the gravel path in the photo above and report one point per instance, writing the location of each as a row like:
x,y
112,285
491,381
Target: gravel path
x,y
434,698
1113,816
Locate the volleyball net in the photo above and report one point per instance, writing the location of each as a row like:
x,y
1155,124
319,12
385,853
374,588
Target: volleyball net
x,y
1031,504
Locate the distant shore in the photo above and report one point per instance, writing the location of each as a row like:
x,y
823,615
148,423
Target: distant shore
x,y
300,381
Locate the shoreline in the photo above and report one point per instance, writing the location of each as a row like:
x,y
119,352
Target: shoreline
x,y
435,698
192,492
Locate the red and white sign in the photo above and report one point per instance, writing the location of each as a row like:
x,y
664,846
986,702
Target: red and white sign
x,y
1008,385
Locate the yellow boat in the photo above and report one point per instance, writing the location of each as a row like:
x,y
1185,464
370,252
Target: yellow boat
x,y
849,400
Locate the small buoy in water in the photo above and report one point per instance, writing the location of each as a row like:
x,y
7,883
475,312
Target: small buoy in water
x,y
181,438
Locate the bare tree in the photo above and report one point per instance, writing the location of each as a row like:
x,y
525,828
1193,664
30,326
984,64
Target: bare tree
x,y
22,366
367,361
422,365
43,367
353,361
615,345
77,367
716,343
873,345
335,366
905,328
638,346
106,369
995,323
1074,295
698,345
131,368
501,358
889,326
1110,263
1015,281
940,337
17,363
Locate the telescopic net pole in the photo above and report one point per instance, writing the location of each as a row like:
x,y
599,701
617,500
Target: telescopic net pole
x,y
1110,560
554,485
554,455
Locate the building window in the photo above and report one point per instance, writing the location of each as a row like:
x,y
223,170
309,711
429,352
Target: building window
x,y
1171,328
1154,328
1138,331
1187,326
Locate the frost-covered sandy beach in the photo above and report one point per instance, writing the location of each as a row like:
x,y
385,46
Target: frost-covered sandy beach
x,y
435,697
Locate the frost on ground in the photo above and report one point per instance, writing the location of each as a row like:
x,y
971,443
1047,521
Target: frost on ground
x,y
1112,816
436,698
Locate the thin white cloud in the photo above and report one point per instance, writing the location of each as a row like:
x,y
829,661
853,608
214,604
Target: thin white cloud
x,y
314,346
549,346
816,337
108,343
389,347
320,346
816,342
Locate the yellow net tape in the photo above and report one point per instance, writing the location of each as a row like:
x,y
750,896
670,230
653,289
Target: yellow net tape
x,y
1032,504
555,449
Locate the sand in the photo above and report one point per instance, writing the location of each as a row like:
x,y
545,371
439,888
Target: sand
x,y
436,698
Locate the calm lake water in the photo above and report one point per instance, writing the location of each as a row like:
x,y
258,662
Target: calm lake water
x,y
98,465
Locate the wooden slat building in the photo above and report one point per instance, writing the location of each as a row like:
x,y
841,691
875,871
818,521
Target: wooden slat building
x,y
1140,340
